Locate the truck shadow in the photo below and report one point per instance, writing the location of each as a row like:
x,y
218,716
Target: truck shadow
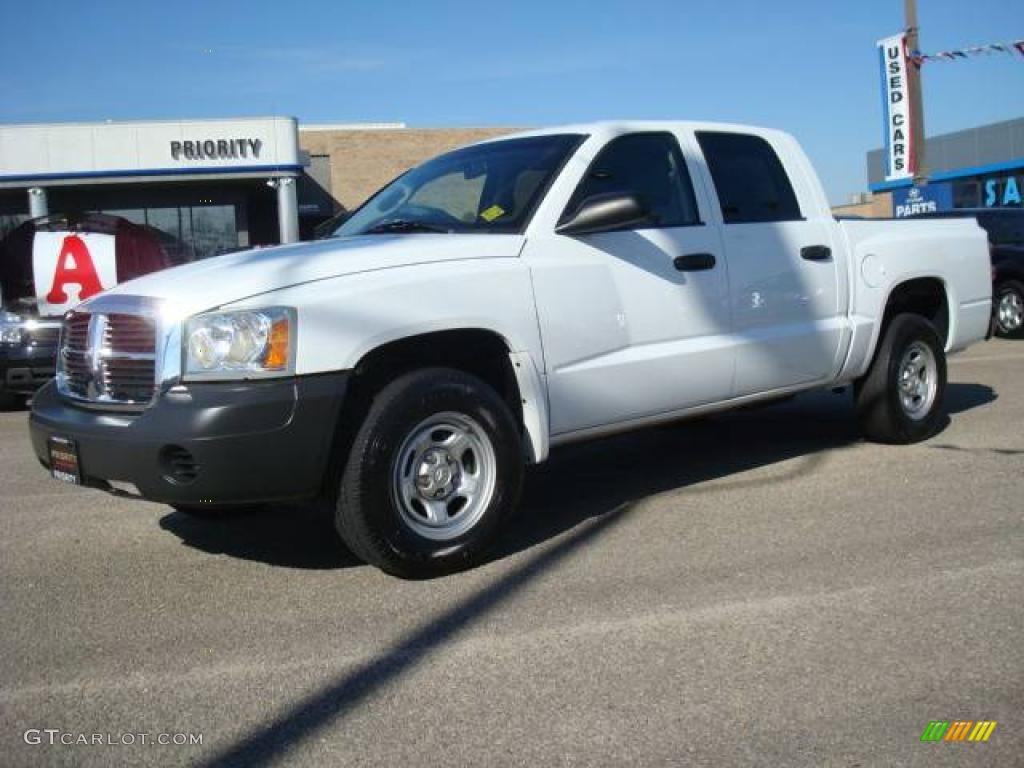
x,y
585,480
589,480
580,483
299,536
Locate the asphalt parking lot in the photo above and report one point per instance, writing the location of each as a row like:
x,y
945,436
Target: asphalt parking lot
x,y
760,588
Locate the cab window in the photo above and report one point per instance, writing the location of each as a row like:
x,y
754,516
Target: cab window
x,y
649,165
751,183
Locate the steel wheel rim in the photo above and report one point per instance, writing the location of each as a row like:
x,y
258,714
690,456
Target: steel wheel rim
x,y
1011,311
443,476
918,381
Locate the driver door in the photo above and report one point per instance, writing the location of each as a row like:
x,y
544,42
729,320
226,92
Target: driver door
x,y
635,323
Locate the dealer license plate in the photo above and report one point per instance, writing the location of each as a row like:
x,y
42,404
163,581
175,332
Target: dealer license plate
x,y
64,459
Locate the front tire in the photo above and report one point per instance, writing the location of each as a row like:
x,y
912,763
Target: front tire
x,y
433,475
900,400
1009,309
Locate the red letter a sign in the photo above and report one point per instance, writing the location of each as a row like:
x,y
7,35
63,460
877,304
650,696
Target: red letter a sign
x,y
74,267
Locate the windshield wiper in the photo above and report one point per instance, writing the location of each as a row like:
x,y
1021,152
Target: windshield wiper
x,y
403,225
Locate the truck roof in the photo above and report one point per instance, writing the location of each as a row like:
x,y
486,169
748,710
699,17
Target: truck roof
x,y
610,128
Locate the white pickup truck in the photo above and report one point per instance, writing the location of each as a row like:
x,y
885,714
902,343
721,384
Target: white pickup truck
x,y
492,303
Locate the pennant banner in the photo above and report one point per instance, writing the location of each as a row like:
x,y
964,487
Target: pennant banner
x,y
1014,48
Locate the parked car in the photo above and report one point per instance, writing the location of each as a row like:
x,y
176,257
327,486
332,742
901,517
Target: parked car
x,y
1005,229
50,254
496,301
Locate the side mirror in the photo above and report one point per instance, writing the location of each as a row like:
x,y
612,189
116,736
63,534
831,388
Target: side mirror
x,y
605,212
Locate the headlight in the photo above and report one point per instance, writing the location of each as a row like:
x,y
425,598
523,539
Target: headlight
x,y
240,344
11,328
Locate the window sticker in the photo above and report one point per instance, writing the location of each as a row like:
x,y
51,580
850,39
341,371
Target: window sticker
x,y
492,213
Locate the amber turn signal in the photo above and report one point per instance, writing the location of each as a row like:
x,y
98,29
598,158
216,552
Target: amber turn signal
x,y
277,347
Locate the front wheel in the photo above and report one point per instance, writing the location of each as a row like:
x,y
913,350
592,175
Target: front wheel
x,y
433,475
1009,309
900,399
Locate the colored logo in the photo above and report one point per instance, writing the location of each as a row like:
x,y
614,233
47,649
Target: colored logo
x,y
958,730
911,201
74,266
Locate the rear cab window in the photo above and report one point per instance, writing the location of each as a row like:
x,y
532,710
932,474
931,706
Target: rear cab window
x,y
749,178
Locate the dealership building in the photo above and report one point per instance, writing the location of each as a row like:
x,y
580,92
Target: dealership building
x,y
977,168
213,185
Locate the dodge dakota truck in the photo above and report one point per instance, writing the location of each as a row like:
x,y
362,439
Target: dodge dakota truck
x,y
491,304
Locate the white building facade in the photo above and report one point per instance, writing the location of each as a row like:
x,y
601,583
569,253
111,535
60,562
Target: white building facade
x,y
214,185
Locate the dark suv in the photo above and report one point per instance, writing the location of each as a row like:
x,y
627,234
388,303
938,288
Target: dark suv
x,y
28,338
1005,228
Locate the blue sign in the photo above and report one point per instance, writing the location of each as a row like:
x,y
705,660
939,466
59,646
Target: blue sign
x,y
1003,192
908,201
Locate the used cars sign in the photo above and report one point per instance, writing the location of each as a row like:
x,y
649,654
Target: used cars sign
x,y
899,151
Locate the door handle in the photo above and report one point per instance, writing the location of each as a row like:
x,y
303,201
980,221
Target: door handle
x,y
694,262
816,253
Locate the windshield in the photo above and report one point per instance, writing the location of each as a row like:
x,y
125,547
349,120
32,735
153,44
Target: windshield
x,y
491,187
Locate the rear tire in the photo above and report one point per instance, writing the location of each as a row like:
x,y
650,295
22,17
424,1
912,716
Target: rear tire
x,y
432,477
900,400
1009,309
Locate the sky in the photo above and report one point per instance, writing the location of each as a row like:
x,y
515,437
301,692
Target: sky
x,y
807,67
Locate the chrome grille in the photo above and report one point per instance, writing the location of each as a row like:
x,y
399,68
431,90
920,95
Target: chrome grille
x,y
130,333
73,362
108,358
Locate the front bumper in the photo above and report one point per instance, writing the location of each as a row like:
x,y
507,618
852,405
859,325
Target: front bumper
x,y
242,442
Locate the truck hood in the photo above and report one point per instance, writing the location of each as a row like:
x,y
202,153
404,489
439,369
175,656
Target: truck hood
x,y
224,279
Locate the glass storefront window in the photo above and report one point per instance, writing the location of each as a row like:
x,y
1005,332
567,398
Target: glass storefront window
x,y
166,220
213,229
200,230
134,215
966,194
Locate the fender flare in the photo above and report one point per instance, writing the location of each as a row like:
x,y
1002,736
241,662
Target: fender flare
x,y
534,401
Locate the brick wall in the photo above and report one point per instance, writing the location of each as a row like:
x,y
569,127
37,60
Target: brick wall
x,y
362,161
879,207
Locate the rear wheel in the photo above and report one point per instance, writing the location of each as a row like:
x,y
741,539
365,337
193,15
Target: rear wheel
x,y
900,399
1009,309
433,475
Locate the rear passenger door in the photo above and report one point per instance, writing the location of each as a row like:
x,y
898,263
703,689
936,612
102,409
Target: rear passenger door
x,y
784,290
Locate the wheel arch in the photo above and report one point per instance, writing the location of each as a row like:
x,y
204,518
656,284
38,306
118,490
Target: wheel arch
x,y
481,352
927,296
